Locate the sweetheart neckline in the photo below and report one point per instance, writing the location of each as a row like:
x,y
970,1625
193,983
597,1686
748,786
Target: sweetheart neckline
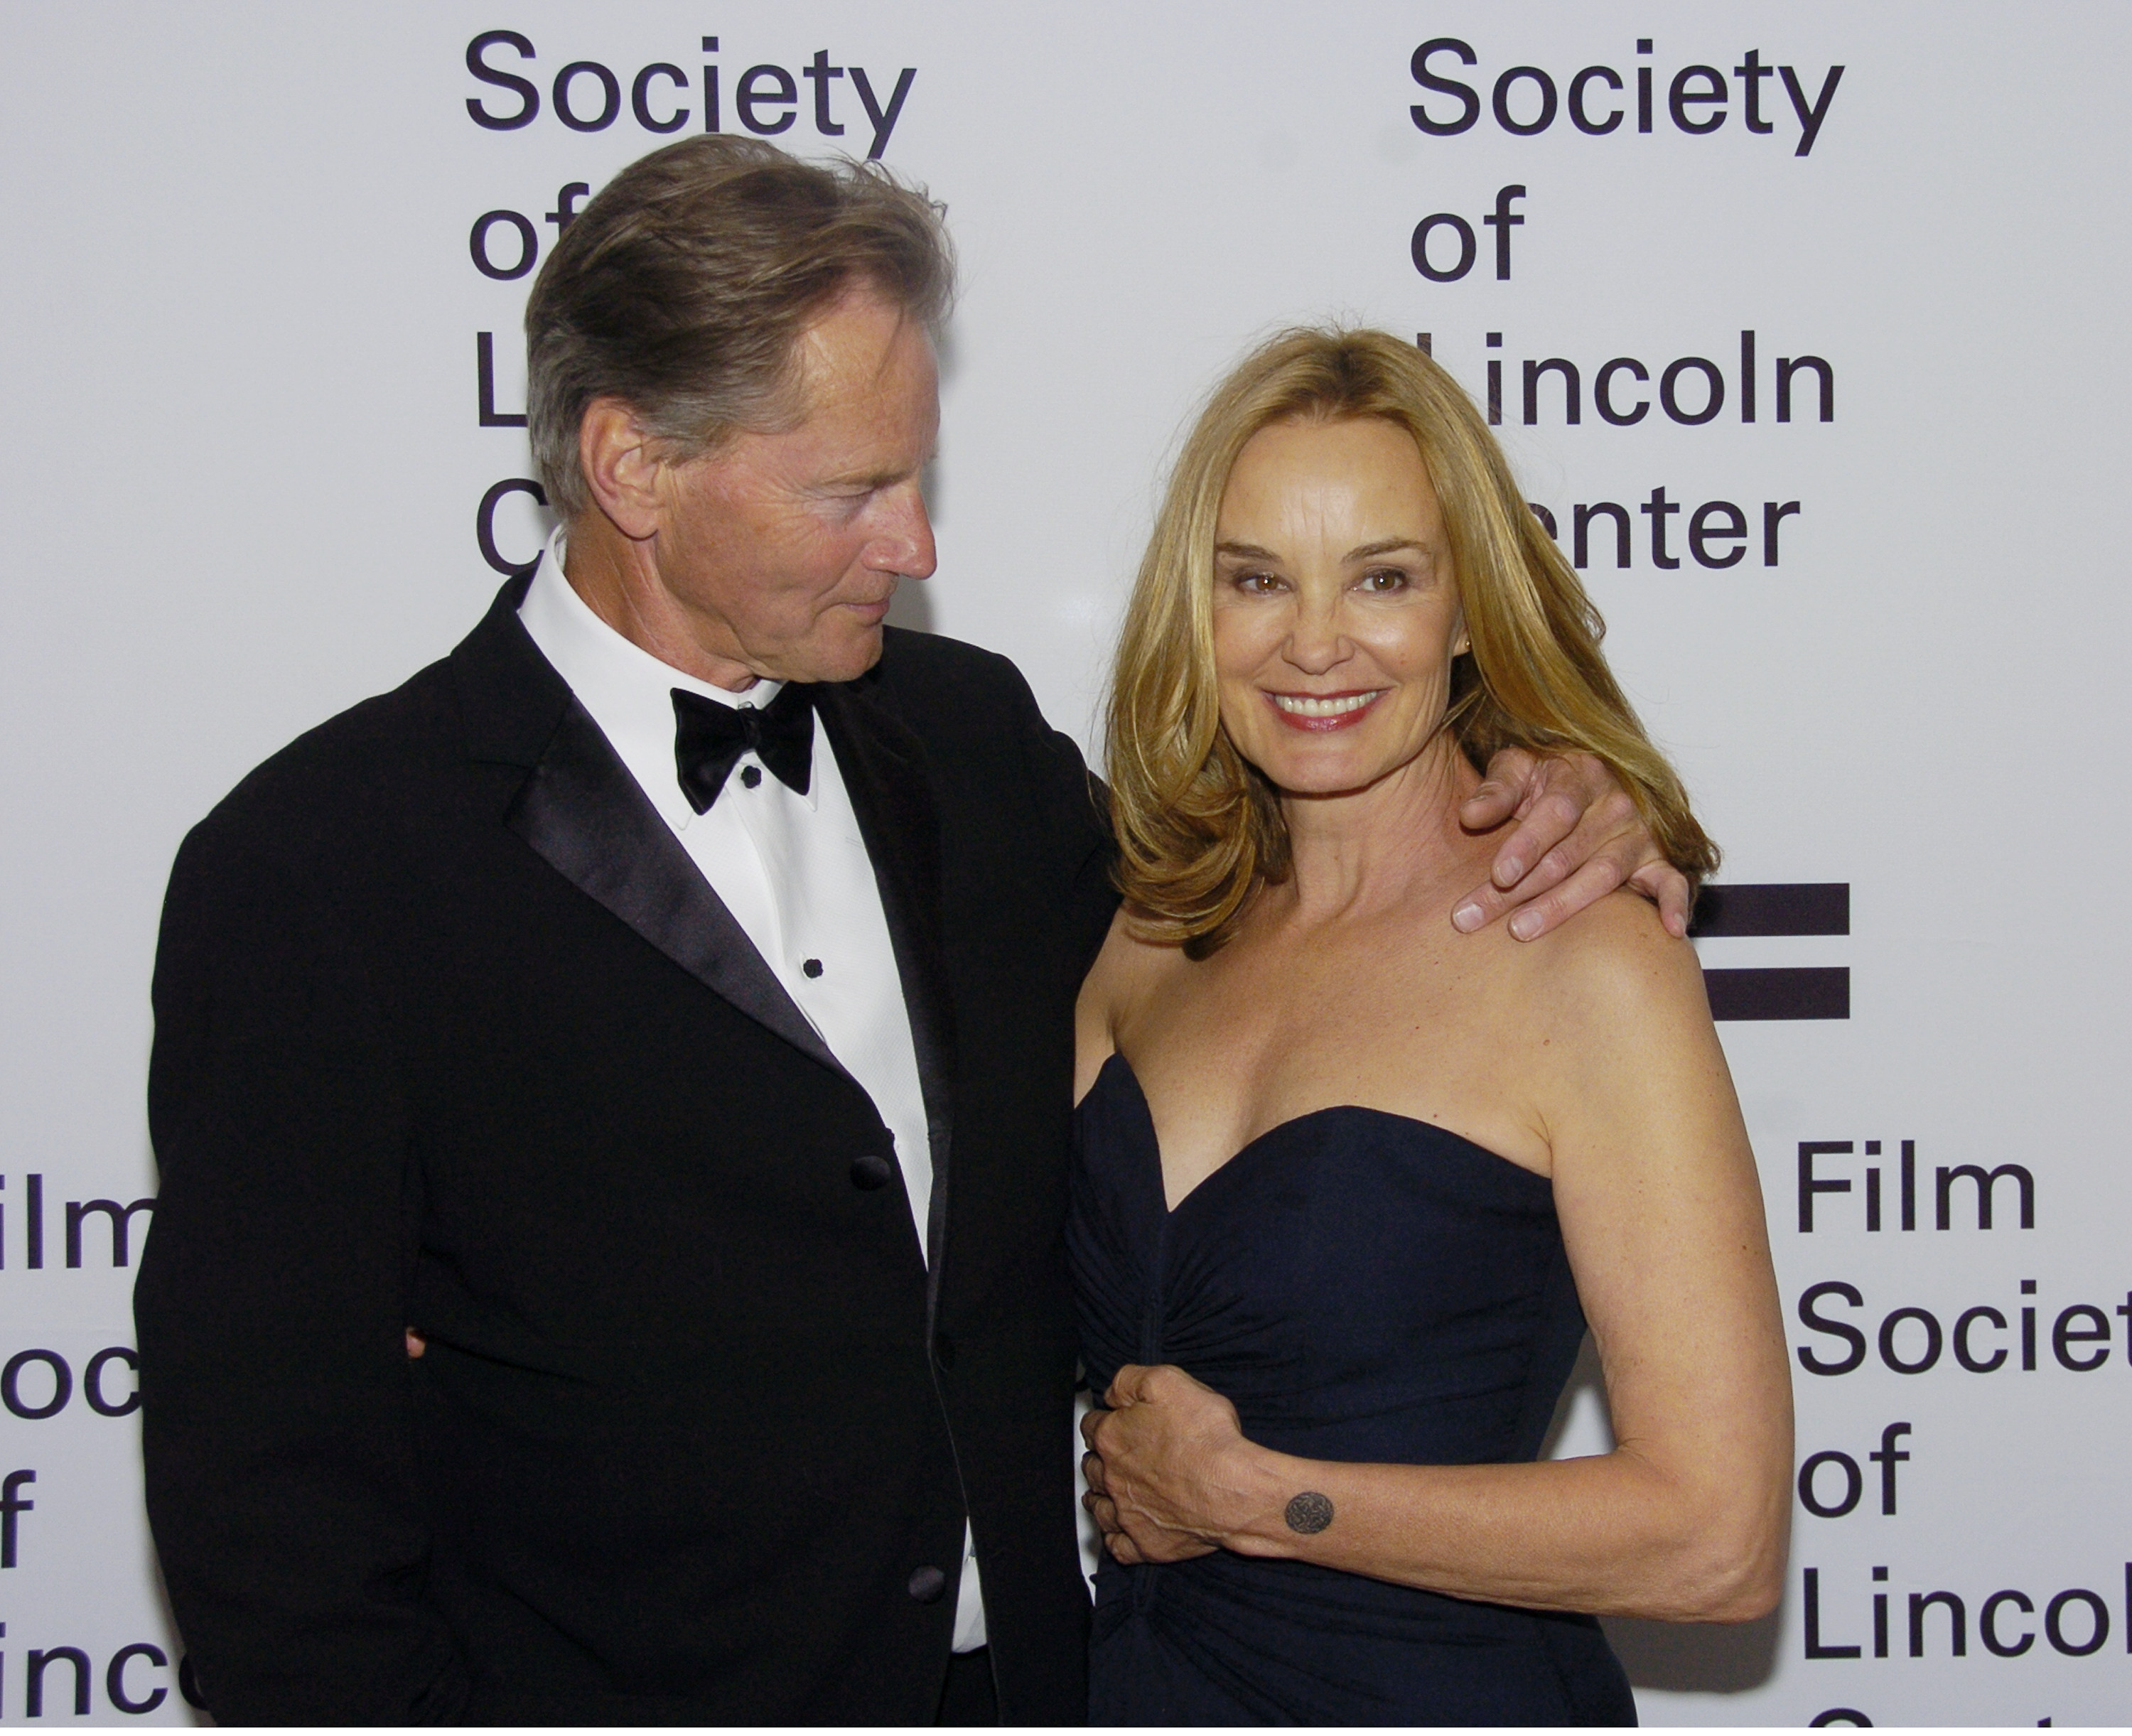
x,y
1117,1057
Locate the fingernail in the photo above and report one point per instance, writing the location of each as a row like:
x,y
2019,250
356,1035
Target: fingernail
x,y
1525,925
1466,918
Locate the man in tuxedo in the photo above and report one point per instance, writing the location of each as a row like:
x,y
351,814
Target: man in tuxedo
x,y
612,1091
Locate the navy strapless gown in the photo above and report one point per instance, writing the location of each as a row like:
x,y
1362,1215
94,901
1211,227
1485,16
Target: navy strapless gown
x,y
1365,1287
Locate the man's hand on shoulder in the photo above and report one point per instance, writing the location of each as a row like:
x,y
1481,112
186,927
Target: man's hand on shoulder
x,y
1577,837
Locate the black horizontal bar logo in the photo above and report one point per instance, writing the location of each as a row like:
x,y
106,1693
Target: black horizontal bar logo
x,y
1740,912
1812,908
1810,992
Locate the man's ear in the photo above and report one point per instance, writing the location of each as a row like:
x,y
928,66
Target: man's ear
x,y
621,466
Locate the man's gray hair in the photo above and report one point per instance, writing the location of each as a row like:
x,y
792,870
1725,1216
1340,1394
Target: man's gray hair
x,y
682,288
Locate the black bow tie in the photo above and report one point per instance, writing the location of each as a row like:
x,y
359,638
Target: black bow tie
x,y
709,737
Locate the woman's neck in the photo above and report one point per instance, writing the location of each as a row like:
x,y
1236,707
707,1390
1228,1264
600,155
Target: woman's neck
x,y
1368,850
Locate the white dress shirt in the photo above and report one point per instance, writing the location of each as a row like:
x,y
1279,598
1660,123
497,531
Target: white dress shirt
x,y
792,869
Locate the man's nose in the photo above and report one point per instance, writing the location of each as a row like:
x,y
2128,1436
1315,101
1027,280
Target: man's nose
x,y
904,541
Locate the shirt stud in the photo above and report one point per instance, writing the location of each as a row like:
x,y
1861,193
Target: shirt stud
x,y
750,776
812,967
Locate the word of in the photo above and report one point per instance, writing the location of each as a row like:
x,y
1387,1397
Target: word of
x,y
481,246
1853,1480
1502,221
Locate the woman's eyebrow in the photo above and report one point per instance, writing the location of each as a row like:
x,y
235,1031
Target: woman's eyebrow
x,y
1390,545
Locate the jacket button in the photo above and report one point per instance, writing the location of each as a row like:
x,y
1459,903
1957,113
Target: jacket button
x,y
926,1585
870,1171
943,1350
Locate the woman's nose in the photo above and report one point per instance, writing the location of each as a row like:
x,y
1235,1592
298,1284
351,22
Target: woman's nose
x,y
1315,643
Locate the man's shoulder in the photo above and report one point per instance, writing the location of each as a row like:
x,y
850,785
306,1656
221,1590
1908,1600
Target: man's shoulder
x,y
962,702
375,769
984,738
395,753
915,666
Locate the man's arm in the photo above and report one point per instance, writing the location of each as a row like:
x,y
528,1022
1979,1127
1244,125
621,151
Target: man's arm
x,y
1578,837
1077,805
275,1386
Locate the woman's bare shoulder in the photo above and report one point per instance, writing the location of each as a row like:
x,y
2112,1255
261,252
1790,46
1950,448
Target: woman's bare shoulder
x,y
1129,964
1611,962
1126,973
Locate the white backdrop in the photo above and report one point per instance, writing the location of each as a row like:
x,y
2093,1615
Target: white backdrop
x,y
244,454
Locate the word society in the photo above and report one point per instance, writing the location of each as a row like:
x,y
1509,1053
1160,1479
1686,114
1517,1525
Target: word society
x,y
587,95
1526,100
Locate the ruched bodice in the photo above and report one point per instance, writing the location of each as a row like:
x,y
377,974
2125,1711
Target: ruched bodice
x,y
1363,1286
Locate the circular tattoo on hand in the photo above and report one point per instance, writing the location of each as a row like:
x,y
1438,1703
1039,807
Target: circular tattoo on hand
x,y
1309,1513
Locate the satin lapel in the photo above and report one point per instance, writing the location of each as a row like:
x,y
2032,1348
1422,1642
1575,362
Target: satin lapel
x,y
884,769
582,812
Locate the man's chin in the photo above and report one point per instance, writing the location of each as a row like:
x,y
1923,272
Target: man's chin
x,y
846,658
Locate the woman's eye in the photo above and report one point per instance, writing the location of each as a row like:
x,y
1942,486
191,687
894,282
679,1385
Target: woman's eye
x,y
1384,581
1255,584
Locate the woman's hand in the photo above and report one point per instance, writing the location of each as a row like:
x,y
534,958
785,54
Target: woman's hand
x,y
1164,1466
1578,837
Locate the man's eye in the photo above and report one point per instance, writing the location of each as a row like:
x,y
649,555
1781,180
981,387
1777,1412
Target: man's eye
x,y
844,505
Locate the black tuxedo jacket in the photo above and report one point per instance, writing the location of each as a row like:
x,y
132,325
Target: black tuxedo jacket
x,y
452,1035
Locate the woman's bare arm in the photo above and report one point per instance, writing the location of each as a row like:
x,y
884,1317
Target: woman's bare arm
x,y
1662,1215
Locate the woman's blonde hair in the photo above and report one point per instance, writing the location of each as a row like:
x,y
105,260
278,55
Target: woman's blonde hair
x,y
1199,829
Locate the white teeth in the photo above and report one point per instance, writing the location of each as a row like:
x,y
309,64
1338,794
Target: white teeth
x,y
1299,705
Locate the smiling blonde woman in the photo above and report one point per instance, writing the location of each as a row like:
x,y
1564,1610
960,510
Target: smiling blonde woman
x,y
1349,1182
